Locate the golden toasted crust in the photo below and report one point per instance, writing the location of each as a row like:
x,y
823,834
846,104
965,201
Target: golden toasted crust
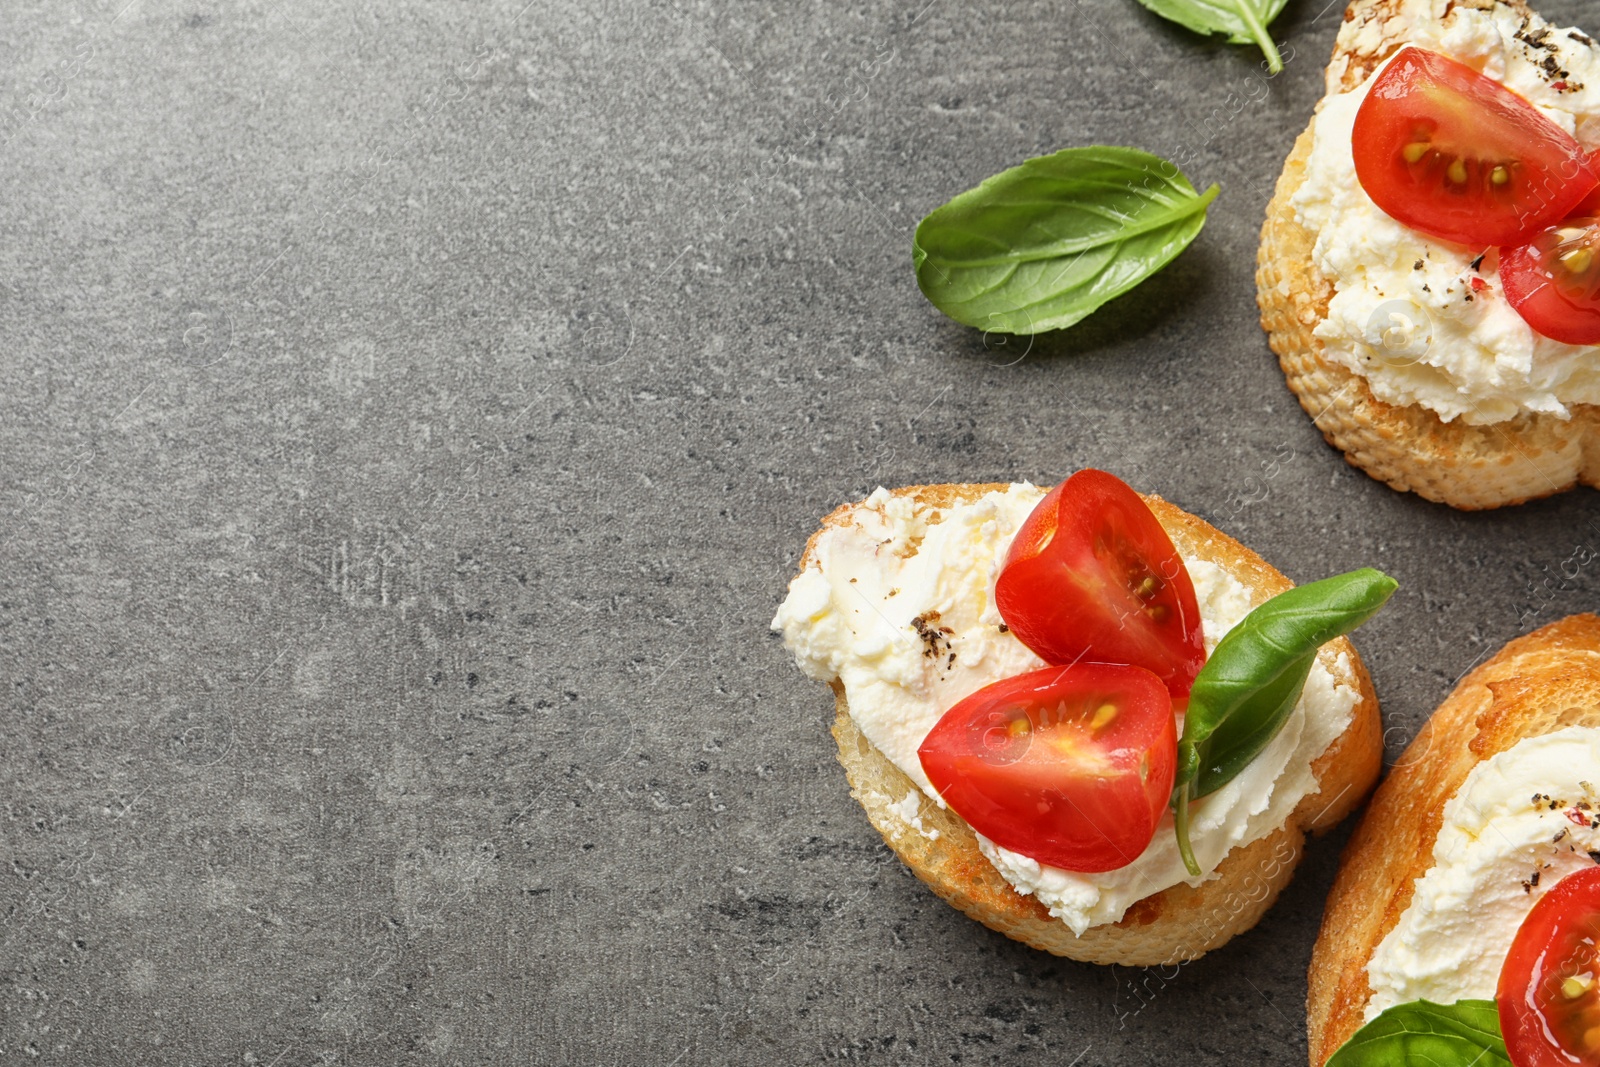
x,y
1536,685
1468,467
1180,923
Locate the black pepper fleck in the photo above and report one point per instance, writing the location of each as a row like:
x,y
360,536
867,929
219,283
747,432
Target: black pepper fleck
x,y
1535,38
935,643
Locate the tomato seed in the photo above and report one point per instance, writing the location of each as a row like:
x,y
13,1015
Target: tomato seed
x,y
1103,715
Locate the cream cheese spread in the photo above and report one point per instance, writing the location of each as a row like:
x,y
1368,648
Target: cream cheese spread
x,y
1518,825
897,604
1405,314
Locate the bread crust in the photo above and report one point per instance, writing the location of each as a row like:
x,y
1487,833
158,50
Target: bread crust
x,y
1409,447
1177,924
1537,684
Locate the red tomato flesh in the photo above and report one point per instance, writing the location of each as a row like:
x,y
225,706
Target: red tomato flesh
x,y
1590,205
1554,281
1071,766
1549,992
1458,156
1093,576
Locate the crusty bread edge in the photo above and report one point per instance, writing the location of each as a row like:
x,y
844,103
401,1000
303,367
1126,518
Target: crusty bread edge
x,y
1535,685
1179,923
1409,447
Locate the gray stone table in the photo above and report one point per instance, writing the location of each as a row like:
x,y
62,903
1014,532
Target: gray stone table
x,y
412,414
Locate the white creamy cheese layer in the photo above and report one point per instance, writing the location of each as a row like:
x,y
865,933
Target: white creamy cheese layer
x,y
1505,840
1461,353
876,588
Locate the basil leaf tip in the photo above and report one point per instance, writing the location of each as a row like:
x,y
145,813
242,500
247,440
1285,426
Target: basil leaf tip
x,y
1244,21
1042,245
1463,1034
1252,681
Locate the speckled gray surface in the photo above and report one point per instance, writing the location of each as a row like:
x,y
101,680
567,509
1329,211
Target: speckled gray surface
x,y
411,415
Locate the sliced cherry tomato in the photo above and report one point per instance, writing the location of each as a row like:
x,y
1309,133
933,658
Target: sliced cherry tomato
x,y
1093,576
1447,151
1071,766
1554,281
1549,992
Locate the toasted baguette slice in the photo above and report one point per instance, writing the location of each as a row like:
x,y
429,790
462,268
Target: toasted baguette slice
x,y
1180,923
1410,448
1536,685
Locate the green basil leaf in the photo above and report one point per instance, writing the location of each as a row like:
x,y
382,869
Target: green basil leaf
x,y
1245,692
1463,1034
1244,21
1240,738
1236,704
1042,245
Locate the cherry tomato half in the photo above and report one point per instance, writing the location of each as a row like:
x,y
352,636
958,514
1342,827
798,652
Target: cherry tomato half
x,y
1449,152
1071,766
1093,576
1549,992
1554,281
